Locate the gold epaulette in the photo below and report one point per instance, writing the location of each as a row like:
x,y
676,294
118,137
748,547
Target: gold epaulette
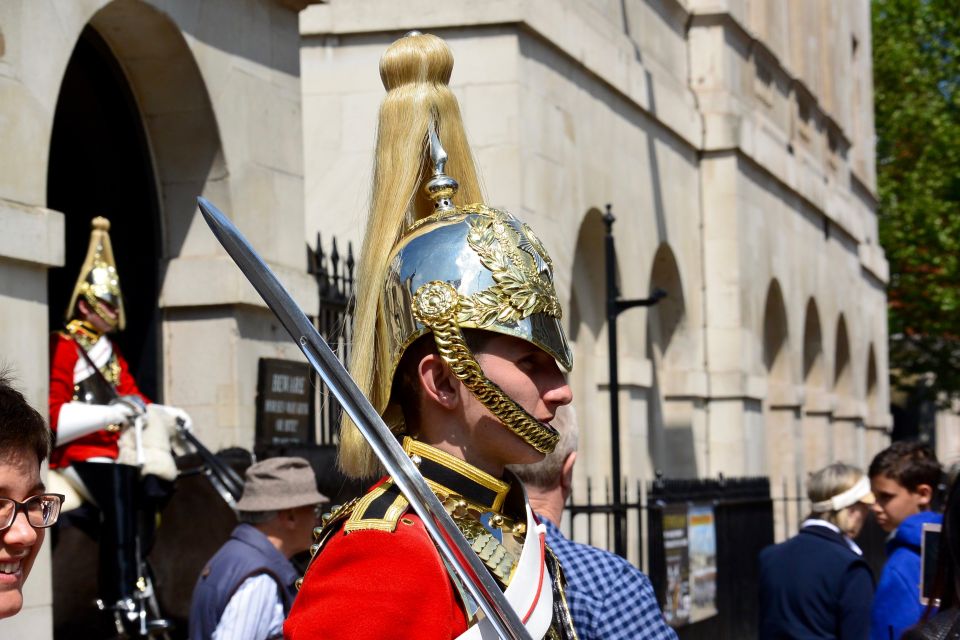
x,y
379,510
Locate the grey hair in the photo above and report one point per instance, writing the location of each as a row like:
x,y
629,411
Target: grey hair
x,y
546,473
256,517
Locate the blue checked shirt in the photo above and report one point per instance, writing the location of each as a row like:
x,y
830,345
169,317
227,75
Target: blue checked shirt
x,y
609,598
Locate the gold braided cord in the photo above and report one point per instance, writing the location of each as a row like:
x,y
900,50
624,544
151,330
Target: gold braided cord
x,y
455,352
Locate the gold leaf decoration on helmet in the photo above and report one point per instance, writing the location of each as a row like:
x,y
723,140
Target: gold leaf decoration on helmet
x,y
98,281
522,271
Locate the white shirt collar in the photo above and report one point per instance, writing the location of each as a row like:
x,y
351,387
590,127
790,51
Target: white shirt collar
x,y
817,522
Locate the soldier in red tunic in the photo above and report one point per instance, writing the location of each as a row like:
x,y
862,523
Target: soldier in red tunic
x,y
93,400
458,342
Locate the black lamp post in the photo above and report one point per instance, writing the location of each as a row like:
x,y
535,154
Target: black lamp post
x,y
615,306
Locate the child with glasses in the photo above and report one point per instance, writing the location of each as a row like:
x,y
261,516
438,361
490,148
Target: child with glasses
x,y
25,510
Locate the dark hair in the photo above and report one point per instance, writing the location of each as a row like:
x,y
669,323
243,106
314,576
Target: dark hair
x,y
909,463
21,426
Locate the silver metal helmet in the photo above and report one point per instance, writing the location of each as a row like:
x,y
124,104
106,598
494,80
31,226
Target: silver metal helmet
x,y
473,267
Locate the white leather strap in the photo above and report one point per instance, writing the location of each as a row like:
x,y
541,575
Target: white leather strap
x,y
100,353
530,591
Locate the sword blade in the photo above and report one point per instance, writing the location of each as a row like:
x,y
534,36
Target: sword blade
x,y
444,533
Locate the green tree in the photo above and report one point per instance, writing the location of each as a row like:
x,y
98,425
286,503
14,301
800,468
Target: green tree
x,y
916,64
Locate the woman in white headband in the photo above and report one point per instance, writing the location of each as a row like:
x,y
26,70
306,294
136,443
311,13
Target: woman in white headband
x,y
817,584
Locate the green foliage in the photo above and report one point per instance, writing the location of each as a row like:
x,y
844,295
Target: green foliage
x,y
916,63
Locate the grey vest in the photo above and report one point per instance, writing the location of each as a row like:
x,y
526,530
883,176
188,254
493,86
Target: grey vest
x,y
246,554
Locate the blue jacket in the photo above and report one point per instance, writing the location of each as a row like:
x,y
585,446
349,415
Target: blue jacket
x,y
897,604
814,587
246,554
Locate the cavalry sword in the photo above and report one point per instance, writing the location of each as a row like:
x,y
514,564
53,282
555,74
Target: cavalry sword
x,y
450,542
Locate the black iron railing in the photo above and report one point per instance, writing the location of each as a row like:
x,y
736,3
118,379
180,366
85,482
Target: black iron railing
x,y
334,321
743,516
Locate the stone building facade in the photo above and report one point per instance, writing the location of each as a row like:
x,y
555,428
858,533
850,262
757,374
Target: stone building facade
x,y
734,140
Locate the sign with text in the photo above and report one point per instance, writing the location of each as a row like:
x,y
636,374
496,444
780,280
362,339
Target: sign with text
x,y
284,402
702,540
676,549
690,554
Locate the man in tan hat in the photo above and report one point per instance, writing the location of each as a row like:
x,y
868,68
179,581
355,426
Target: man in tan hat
x,y
247,588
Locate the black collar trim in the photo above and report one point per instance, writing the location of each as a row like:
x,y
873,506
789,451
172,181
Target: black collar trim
x,y
451,475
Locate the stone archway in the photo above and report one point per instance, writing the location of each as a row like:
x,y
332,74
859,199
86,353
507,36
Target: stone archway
x,y
134,138
817,408
100,165
588,335
157,148
781,409
670,407
776,351
848,444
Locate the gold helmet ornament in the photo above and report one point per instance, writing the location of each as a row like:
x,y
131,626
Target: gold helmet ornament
x,y
445,261
98,282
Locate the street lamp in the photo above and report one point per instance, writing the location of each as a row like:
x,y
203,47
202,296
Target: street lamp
x,y
616,306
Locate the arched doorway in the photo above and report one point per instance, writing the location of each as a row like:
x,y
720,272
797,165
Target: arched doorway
x,y
670,425
817,408
100,164
783,442
134,138
849,443
587,331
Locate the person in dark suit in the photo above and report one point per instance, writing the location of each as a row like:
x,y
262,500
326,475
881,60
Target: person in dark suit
x,y
817,585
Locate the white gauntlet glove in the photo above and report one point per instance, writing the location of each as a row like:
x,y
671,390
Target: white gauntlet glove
x,y
78,419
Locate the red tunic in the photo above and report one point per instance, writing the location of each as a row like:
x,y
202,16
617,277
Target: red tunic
x,y
63,360
377,585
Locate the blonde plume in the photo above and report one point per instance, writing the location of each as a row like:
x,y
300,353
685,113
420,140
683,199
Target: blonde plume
x,y
415,71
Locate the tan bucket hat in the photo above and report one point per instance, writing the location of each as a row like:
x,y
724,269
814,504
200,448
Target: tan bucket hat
x,y
280,483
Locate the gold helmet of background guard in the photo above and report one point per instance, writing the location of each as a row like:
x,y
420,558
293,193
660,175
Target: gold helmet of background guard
x,y
98,280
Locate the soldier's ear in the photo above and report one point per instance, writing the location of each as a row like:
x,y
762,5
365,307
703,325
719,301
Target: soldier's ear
x,y
439,384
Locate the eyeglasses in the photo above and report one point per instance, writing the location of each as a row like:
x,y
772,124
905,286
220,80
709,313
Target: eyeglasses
x,y
42,511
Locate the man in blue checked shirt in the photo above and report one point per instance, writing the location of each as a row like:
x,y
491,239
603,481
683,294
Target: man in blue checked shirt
x,y
609,598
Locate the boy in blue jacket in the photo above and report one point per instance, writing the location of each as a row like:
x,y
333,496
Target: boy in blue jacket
x,y
903,477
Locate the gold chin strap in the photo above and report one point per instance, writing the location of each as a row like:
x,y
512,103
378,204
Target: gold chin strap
x,y
96,305
436,305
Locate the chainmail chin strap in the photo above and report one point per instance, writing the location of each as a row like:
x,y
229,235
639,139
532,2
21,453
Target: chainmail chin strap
x,y
455,352
435,305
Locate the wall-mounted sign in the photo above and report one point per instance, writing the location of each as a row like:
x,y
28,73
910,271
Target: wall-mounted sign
x,y
284,402
676,551
690,551
702,535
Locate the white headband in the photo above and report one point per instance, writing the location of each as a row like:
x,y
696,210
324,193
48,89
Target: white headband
x,y
851,496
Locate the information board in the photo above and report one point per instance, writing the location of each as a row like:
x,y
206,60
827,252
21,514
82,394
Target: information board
x,y
676,547
284,402
702,534
690,554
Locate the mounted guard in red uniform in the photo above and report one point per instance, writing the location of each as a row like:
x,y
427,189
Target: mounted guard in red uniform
x,y
113,445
